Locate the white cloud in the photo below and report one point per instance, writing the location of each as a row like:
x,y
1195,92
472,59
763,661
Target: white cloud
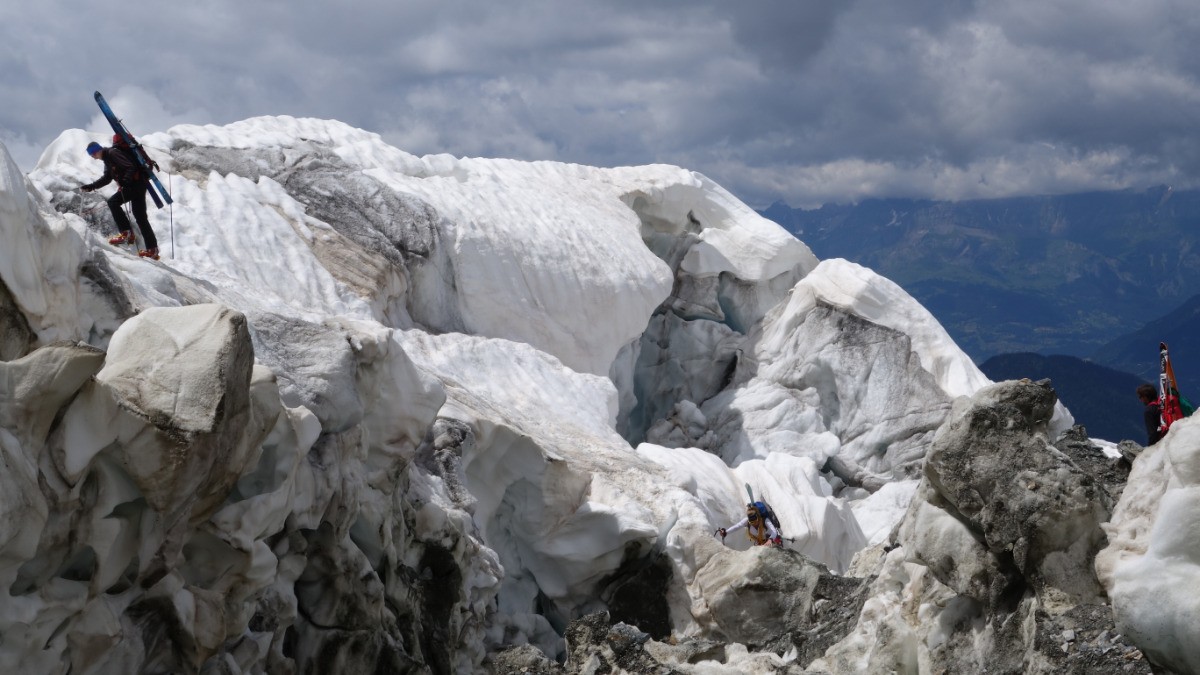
x,y
772,100
141,112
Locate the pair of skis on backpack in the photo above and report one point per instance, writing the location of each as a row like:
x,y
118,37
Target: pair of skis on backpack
x,y
138,152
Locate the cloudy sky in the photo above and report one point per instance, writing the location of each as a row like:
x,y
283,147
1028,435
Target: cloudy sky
x,y
801,100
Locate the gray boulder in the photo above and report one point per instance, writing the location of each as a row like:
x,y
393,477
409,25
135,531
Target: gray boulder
x,y
995,469
777,600
996,551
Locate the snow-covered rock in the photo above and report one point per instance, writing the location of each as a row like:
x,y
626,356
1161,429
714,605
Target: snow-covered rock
x,y
1151,566
378,412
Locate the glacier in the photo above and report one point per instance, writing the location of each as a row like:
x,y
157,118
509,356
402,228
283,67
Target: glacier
x,y
374,412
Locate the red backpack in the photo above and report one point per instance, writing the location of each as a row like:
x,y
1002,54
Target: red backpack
x,y
118,141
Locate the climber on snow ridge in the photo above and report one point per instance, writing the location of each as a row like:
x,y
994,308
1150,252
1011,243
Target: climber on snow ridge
x,y
133,181
760,523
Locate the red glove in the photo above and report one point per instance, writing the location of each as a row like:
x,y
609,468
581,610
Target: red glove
x,y
778,541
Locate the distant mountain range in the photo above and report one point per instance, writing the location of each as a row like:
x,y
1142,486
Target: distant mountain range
x,y
1137,352
1049,275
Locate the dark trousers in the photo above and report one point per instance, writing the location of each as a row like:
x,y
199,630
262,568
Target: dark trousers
x,y
136,196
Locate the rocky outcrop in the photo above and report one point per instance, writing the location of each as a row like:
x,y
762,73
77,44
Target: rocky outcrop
x,y
1110,472
774,610
598,645
996,551
991,570
765,598
997,472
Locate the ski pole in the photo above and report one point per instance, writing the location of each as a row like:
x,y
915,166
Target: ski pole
x,y
171,214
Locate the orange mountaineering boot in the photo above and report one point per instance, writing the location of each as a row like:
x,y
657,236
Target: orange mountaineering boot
x,y
122,238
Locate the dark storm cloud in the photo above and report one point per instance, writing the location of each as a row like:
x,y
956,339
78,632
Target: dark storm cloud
x,y
787,36
803,100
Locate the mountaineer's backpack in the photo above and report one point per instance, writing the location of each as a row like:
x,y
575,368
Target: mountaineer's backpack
x,y
765,511
136,152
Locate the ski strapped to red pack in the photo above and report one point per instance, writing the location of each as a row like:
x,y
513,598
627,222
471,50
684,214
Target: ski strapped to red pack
x,y
1168,391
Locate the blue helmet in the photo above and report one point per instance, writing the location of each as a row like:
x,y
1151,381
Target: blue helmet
x,y
94,147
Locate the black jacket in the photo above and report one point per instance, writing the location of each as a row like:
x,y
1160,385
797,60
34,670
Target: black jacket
x,y
119,164
1153,418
